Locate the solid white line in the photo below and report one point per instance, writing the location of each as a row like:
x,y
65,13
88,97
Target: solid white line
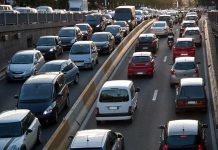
x,y
165,59
155,95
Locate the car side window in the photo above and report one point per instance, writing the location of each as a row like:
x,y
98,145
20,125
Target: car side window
x,y
64,67
27,121
132,92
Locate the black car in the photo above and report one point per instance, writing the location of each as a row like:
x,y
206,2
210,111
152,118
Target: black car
x,y
183,135
69,35
49,46
46,95
147,42
116,31
124,26
86,30
97,21
104,41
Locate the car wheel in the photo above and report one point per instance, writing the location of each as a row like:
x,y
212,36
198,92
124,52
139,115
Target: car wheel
x,y
67,105
152,75
171,85
76,80
55,118
39,136
130,120
62,51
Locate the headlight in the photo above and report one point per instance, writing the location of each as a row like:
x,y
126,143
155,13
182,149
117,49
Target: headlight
x,y
49,109
129,21
73,41
106,44
14,147
51,50
98,26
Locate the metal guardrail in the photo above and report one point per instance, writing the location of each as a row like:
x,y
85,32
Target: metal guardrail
x,y
213,18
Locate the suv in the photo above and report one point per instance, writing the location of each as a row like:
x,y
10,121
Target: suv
x,y
45,95
191,94
97,139
195,33
97,21
183,135
19,129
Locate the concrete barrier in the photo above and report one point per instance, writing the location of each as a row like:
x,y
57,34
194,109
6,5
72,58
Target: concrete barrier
x,y
73,120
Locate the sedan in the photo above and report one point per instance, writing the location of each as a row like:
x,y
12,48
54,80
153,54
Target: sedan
x,y
141,63
116,31
70,70
160,28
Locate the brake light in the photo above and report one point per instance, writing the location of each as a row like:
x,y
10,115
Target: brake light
x,y
173,72
165,147
181,103
193,49
200,147
96,110
201,102
130,110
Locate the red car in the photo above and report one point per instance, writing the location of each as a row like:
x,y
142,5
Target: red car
x,y
141,63
184,47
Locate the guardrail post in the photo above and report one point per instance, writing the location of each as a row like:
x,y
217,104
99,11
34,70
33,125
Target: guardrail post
x,y
28,18
17,18
5,19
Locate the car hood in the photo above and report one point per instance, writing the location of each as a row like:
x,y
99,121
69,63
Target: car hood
x,y
44,48
66,39
5,143
20,68
81,57
34,105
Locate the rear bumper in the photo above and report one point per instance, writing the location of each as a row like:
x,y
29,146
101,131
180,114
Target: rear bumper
x,y
115,116
191,107
147,71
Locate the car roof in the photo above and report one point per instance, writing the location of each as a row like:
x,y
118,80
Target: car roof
x,y
142,54
31,51
81,24
191,81
49,36
192,28
57,62
185,59
183,127
117,83
112,26
160,22
147,35
188,21
84,42
13,115
164,15
184,39
42,78
101,33
67,28
92,138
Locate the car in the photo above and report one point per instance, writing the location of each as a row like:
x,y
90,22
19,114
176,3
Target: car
x,y
101,139
124,26
44,9
46,95
97,21
183,134
84,54
160,28
49,46
183,67
186,23
26,10
147,42
166,18
184,47
23,64
109,19
116,31
86,30
117,100
195,33
70,70
104,41
141,63
191,95
139,16
192,17
19,129
68,36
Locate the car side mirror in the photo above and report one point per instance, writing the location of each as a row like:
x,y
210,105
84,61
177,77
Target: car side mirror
x,y
16,96
137,89
161,127
29,131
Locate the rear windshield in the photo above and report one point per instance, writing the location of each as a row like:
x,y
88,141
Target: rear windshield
x,y
140,59
192,92
192,32
164,18
114,95
191,18
78,49
158,25
112,29
184,66
188,25
50,68
175,141
12,129
99,37
146,39
67,33
122,24
184,44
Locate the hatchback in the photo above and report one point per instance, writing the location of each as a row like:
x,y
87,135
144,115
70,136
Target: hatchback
x,y
159,28
183,134
193,32
86,30
23,64
116,31
46,95
139,16
147,42
19,129
191,94
185,24
184,47
141,63
97,139
70,70
183,67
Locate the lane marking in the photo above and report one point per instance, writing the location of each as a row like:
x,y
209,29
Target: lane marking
x,y
165,59
155,95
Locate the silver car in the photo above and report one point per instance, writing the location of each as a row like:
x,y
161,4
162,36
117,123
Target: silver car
x,y
193,32
184,67
23,64
160,28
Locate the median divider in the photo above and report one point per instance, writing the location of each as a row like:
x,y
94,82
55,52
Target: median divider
x,y
76,115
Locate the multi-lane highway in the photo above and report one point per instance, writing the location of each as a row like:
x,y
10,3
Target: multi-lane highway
x,y
153,109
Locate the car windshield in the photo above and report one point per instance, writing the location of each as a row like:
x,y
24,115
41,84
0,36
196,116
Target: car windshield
x,y
192,92
112,29
36,91
140,59
78,49
67,33
192,32
99,37
175,141
93,18
191,18
12,129
158,25
184,66
114,95
184,44
164,18
22,59
123,14
82,27
122,24
50,68
188,25
146,39
46,42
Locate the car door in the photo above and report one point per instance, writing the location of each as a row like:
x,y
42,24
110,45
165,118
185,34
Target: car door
x,y
72,69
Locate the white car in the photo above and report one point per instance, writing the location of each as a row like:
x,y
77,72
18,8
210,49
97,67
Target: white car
x,y
195,33
160,28
19,130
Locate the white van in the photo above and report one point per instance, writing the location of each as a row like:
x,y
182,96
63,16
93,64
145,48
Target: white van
x,y
117,100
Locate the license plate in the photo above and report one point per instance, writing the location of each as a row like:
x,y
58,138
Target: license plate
x,y
113,108
145,48
192,102
17,76
184,54
139,73
79,64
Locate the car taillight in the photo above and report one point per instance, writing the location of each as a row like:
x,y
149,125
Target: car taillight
x,y
153,42
200,147
173,72
130,110
181,103
165,147
96,110
165,30
203,102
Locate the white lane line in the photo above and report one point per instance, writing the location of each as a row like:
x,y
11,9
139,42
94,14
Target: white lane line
x,y
165,59
155,95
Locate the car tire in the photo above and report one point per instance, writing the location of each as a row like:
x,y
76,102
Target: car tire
x,y
92,66
130,120
67,105
39,136
76,79
171,85
152,75
62,51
